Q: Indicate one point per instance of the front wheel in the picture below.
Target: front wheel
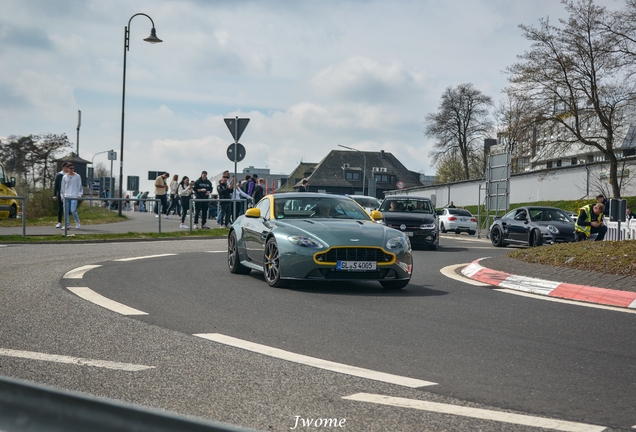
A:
(536, 239)
(442, 228)
(394, 285)
(496, 237)
(13, 212)
(272, 267)
(233, 259)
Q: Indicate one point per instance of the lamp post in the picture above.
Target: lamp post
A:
(152, 39)
(364, 170)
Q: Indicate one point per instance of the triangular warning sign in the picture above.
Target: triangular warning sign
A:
(236, 126)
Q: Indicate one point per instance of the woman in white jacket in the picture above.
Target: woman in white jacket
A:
(185, 193)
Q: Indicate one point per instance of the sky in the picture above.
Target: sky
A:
(310, 75)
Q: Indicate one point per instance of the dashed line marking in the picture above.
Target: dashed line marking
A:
(315, 362)
(143, 257)
(78, 273)
(74, 360)
(478, 413)
(98, 299)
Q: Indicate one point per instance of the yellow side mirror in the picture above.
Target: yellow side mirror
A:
(376, 215)
(253, 213)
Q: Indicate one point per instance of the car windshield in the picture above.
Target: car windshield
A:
(318, 207)
(459, 212)
(548, 215)
(407, 205)
(367, 202)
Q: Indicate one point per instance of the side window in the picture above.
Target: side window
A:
(3, 179)
(263, 206)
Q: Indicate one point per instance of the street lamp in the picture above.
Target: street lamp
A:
(152, 39)
(364, 170)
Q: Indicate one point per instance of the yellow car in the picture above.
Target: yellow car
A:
(8, 206)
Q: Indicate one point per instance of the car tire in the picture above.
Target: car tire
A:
(471, 232)
(233, 261)
(536, 239)
(271, 264)
(394, 285)
(13, 212)
(442, 228)
(496, 237)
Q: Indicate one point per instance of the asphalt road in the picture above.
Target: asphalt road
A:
(482, 348)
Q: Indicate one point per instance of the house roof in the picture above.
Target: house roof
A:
(330, 171)
(297, 176)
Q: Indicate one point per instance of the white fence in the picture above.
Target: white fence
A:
(626, 232)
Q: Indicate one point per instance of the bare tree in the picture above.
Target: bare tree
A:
(459, 125)
(515, 117)
(578, 83)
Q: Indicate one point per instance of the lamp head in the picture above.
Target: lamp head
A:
(153, 39)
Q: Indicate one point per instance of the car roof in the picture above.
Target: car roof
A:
(407, 197)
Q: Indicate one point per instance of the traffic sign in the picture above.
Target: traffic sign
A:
(236, 154)
(236, 126)
(400, 184)
(112, 155)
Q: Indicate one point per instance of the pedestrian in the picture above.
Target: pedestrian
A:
(202, 190)
(106, 194)
(161, 189)
(251, 185)
(71, 191)
(259, 191)
(185, 190)
(241, 198)
(140, 204)
(127, 206)
(629, 215)
(590, 221)
(174, 196)
(57, 189)
(219, 215)
(601, 199)
(225, 194)
(451, 205)
(304, 185)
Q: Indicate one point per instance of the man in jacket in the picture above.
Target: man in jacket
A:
(57, 189)
(225, 193)
(202, 190)
(590, 221)
(161, 189)
(71, 191)
(259, 191)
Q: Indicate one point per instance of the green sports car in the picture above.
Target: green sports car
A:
(313, 236)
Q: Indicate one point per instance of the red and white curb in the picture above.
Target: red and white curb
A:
(562, 290)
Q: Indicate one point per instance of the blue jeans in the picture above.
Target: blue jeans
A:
(71, 207)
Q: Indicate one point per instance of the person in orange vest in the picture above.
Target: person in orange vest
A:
(590, 221)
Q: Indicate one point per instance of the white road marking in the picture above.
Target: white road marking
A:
(449, 272)
(315, 362)
(74, 360)
(98, 299)
(478, 413)
(143, 257)
(221, 251)
(78, 273)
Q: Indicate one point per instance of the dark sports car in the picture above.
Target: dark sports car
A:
(313, 236)
(532, 226)
(413, 215)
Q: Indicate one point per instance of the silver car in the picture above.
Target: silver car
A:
(457, 220)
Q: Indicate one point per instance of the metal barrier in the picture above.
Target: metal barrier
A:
(22, 207)
(34, 407)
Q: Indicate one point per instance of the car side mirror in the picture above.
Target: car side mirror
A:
(376, 215)
(253, 213)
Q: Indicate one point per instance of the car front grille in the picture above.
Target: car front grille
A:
(354, 254)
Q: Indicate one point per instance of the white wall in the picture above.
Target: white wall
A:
(565, 183)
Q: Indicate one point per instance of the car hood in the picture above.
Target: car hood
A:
(411, 219)
(340, 231)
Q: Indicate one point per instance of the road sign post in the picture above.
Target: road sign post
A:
(236, 151)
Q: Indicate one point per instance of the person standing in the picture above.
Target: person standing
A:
(602, 200)
(219, 215)
(71, 191)
(185, 190)
(161, 189)
(259, 191)
(304, 185)
(590, 221)
(57, 190)
(241, 198)
(225, 194)
(174, 196)
(251, 185)
(202, 190)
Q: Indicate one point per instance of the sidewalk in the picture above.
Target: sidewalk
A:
(571, 284)
(137, 222)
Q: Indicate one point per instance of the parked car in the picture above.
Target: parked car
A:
(458, 220)
(532, 226)
(368, 202)
(321, 237)
(8, 206)
(413, 215)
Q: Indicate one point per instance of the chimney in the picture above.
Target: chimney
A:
(381, 154)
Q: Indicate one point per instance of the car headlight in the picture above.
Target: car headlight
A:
(427, 226)
(304, 242)
(397, 243)
(552, 229)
